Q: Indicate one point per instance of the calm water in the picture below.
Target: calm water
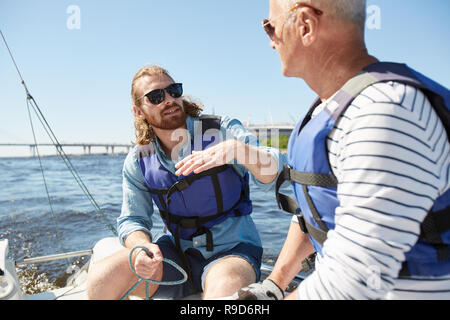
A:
(32, 230)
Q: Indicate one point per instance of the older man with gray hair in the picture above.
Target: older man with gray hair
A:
(369, 164)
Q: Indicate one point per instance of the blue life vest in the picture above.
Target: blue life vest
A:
(315, 186)
(190, 206)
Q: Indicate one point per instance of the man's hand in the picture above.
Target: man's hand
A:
(148, 267)
(258, 161)
(218, 155)
(267, 290)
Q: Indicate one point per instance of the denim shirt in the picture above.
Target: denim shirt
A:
(137, 205)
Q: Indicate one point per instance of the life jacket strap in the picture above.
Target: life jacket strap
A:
(308, 263)
(310, 179)
(290, 205)
(183, 184)
(186, 265)
(198, 222)
(435, 224)
(209, 237)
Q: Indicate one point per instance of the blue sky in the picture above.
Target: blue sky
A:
(81, 77)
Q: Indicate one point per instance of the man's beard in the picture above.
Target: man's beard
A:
(168, 122)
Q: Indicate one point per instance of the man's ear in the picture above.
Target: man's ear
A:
(307, 24)
(138, 112)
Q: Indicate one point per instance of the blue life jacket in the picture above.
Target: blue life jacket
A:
(190, 206)
(315, 186)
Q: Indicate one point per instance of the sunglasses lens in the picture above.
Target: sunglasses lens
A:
(268, 28)
(156, 96)
(175, 90)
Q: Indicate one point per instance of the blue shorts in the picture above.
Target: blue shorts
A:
(199, 267)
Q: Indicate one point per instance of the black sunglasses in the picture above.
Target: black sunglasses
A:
(270, 29)
(157, 96)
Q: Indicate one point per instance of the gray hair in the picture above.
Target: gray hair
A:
(347, 10)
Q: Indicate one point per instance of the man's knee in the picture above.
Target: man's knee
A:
(104, 248)
(108, 271)
(227, 276)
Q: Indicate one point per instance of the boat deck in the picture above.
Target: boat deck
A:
(76, 289)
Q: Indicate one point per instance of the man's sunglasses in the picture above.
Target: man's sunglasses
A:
(270, 29)
(157, 96)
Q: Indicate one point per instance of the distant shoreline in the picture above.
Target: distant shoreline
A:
(69, 155)
(284, 151)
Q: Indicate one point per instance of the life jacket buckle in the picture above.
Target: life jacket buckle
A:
(308, 263)
(301, 220)
(181, 185)
(287, 173)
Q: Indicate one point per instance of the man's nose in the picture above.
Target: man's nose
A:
(168, 99)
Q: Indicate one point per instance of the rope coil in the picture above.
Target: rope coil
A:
(147, 281)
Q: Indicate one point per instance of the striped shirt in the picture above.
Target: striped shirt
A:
(390, 153)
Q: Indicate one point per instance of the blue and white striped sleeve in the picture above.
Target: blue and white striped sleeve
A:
(390, 153)
(137, 204)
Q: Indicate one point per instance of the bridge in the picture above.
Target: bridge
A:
(261, 131)
(267, 131)
(87, 147)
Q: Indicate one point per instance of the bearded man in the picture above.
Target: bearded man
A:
(195, 169)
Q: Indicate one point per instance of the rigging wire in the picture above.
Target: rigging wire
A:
(58, 234)
(14, 61)
(68, 163)
(32, 102)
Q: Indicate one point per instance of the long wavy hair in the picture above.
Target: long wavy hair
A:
(143, 131)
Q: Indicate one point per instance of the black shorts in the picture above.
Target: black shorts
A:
(199, 267)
